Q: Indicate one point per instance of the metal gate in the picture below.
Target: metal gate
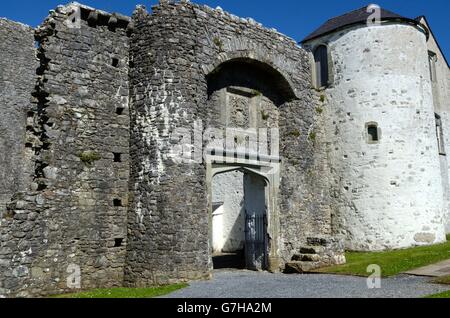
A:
(256, 242)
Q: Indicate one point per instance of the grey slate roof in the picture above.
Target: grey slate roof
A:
(354, 17)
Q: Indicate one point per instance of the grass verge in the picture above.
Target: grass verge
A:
(392, 262)
(441, 295)
(126, 292)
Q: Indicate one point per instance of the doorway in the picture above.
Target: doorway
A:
(239, 220)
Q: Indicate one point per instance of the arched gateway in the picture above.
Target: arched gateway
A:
(244, 101)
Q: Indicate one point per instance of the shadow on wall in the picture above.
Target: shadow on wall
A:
(243, 72)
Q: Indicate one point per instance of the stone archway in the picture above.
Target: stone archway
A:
(244, 97)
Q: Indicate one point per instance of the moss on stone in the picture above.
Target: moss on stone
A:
(218, 42)
(295, 133)
(89, 157)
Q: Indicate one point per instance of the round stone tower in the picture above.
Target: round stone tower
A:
(373, 81)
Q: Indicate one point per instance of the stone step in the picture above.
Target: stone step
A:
(307, 257)
(312, 250)
(302, 267)
(318, 241)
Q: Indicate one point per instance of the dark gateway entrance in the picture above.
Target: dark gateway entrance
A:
(239, 221)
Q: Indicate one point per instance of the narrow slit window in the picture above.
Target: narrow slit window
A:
(440, 135)
(432, 59)
(115, 62)
(321, 66)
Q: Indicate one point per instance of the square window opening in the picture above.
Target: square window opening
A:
(118, 242)
(117, 157)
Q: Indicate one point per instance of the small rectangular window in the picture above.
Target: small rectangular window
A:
(372, 131)
(117, 157)
(118, 242)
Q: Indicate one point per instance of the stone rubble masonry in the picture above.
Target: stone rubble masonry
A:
(17, 68)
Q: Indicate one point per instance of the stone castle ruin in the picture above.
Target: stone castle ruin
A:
(149, 150)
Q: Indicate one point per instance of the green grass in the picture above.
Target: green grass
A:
(126, 292)
(441, 295)
(392, 262)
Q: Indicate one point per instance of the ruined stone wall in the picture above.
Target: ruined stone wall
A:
(173, 50)
(388, 193)
(73, 216)
(18, 65)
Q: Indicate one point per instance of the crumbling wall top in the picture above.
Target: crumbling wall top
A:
(218, 12)
(16, 25)
(74, 5)
(76, 12)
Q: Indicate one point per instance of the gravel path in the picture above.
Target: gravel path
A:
(247, 284)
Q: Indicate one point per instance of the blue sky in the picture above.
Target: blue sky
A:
(295, 18)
